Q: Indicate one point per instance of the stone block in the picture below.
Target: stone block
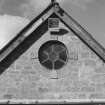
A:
(12, 93)
(100, 70)
(86, 73)
(75, 47)
(67, 96)
(28, 91)
(73, 76)
(82, 86)
(34, 78)
(6, 80)
(76, 86)
(12, 66)
(30, 76)
(54, 37)
(81, 83)
(84, 55)
(49, 96)
(33, 54)
(23, 58)
(98, 78)
(73, 55)
(43, 90)
(99, 63)
(90, 63)
(73, 63)
(82, 96)
(2, 91)
(23, 63)
(84, 47)
(19, 67)
(72, 95)
(97, 96)
(41, 70)
(88, 89)
(75, 39)
(28, 72)
(74, 70)
(28, 67)
(73, 89)
(8, 96)
(100, 87)
(79, 63)
(16, 76)
(63, 85)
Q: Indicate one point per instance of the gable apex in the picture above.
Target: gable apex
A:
(81, 33)
(52, 10)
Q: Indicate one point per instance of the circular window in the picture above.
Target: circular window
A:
(53, 55)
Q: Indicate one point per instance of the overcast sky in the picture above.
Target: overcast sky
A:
(89, 13)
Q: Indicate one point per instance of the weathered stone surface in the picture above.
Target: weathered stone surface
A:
(86, 73)
(33, 55)
(90, 63)
(81, 87)
(19, 67)
(73, 89)
(73, 55)
(6, 81)
(87, 89)
(26, 92)
(100, 69)
(13, 66)
(73, 63)
(11, 93)
(64, 39)
(93, 55)
(97, 95)
(67, 96)
(84, 47)
(70, 74)
(82, 76)
(23, 63)
(82, 96)
(84, 55)
(100, 63)
(54, 37)
(73, 47)
(80, 63)
(28, 67)
(15, 76)
(75, 39)
(100, 87)
(99, 78)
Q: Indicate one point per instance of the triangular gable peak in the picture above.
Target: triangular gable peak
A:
(28, 33)
(80, 32)
(33, 25)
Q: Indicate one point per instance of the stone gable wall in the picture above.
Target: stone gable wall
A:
(82, 78)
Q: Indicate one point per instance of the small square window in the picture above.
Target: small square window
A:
(53, 22)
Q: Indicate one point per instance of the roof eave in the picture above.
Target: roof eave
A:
(21, 36)
(80, 32)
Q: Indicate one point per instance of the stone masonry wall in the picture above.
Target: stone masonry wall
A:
(82, 78)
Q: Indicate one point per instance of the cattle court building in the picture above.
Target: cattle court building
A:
(53, 59)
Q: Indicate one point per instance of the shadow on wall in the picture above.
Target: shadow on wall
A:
(25, 45)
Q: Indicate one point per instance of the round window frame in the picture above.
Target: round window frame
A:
(47, 44)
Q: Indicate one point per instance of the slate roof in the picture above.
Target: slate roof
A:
(20, 43)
